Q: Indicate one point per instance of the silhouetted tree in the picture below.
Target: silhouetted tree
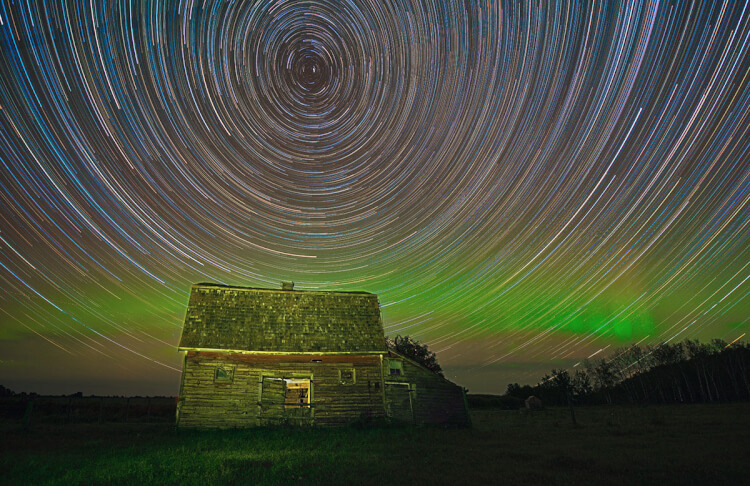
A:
(741, 353)
(604, 375)
(665, 373)
(411, 348)
(581, 384)
(518, 391)
(562, 381)
(698, 354)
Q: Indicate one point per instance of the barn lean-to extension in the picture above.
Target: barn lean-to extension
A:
(258, 357)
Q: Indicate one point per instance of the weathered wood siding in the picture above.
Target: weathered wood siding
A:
(398, 403)
(434, 400)
(271, 401)
(205, 402)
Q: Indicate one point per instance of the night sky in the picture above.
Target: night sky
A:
(523, 186)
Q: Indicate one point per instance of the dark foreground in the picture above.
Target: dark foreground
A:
(683, 444)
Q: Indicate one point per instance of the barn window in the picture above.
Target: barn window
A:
(396, 367)
(347, 377)
(224, 374)
(297, 393)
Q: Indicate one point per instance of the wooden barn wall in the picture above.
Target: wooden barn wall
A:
(207, 403)
(434, 400)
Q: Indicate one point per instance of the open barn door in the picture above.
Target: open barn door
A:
(398, 402)
(297, 407)
(285, 401)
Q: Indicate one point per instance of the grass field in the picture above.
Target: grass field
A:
(684, 444)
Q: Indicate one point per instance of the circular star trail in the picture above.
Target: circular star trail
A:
(520, 184)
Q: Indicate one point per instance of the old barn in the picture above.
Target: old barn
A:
(264, 357)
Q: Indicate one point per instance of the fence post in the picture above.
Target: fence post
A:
(570, 404)
(127, 410)
(70, 407)
(101, 408)
(27, 414)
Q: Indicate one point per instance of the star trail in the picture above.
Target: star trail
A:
(522, 184)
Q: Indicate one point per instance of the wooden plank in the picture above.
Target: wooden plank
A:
(287, 358)
(239, 402)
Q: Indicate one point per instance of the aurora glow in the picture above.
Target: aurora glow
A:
(521, 185)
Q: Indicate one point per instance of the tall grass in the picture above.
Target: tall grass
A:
(688, 444)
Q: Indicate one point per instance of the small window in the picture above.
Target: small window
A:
(224, 374)
(346, 377)
(396, 367)
(297, 393)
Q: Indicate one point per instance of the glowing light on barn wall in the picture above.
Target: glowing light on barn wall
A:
(297, 392)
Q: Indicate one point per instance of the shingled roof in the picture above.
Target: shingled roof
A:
(250, 319)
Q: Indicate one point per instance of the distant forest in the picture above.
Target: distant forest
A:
(684, 372)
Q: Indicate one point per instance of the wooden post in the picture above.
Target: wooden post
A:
(382, 386)
(70, 407)
(101, 408)
(466, 406)
(127, 409)
(182, 386)
(27, 414)
(570, 404)
(412, 389)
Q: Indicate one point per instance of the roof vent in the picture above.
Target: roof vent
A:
(287, 285)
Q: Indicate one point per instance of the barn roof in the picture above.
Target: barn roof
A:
(287, 321)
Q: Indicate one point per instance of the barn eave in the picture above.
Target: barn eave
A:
(286, 353)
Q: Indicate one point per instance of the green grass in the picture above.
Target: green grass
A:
(687, 444)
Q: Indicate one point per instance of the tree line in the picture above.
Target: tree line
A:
(683, 372)
(411, 348)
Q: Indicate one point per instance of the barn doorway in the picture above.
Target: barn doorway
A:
(398, 402)
(285, 401)
(297, 393)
